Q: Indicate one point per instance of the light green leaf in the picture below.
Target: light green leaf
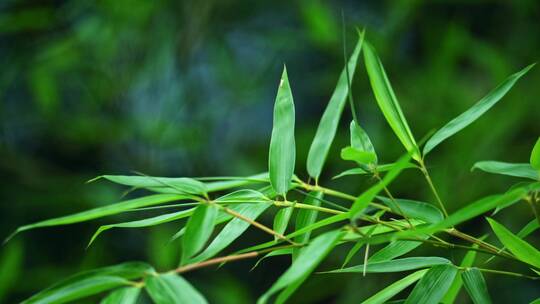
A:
(521, 249)
(234, 182)
(394, 250)
(282, 153)
(282, 218)
(453, 291)
(473, 113)
(476, 286)
(387, 101)
(535, 155)
(126, 295)
(360, 140)
(433, 285)
(102, 211)
(198, 230)
(156, 220)
(497, 167)
(360, 157)
(232, 230)
(365, 198)
(326, 130)
(306, 262)
(414, 209)
(396, 265)
(243, 196)
(387, 293)
(306, 217)
(172, 289)
(537, 301)
(183, 185)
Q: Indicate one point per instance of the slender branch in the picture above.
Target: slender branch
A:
(215, 261)
(514, 274)
(378, 177)
(432, 186)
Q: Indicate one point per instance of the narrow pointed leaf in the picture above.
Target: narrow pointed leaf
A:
(282, 218)
(361, 171)
(282, 153)
(126, 295)
(278, 252)
(396, 265)
(360, 140)
(518, 247)
(497, 167)
(453, 291)
(387, 293)
(535, 155)
(433, 285)
(476, 286)
(358, 156)
(306, 262)
(326, 130)
(306, 217)
(198, 230)
(387, 101)
(172, 289)
(414, 209)
(473, 113)
(182, 185)
(394, 250)
(221, 185)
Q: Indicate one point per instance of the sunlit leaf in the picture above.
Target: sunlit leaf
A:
(433, 285)
(535, 155)
(198, 230)
(497, 167)
(172, 289)
(414, 209)
(396, 265)
(358, 156)
(473, 113)
(387, 101)
(387, 293)
(126, 295)
(520, 248)
(306, 262)
(476, 286)
(326, 131)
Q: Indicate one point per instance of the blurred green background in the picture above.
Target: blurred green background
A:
(186, 88)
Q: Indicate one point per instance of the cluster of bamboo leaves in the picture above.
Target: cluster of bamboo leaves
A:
(219, 210)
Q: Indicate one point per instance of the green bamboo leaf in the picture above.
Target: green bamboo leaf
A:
(306, 217)
(387, 293)
(126, 295)
(453, 291)
(306, 262)
(365, 198)
(326, 130)
(172, 289)
(235, 182)
(183, 185)
(520, 248)
(476, 286)
(148, 222)
(243, 196)
(360, 140)
(535, 155)
(396, 265)
(282, 153)
(473, 113)
(394, 250)
(282, 218)
(414, 209)
(537, 301)
(232, 230)
(198, 230)
(358, 156)
(497, 167)
(361, 171)
(102, 211)
(433, 285)
(387, 101)
(277, 252)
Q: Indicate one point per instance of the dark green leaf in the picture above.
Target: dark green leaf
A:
(172, 289)
(476, 286)
(326, 131)
(387, 101)
(454, 289)
(473, 113)
(387, 293)
(282, 153)
(535, 155)
(198, 230)
(396, 265)
(414, 209)
(126, 295)
(518, 170)
(433, 285)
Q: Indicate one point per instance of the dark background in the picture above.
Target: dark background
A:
(186, 88)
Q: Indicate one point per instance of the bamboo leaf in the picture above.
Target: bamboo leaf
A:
(183, 185)
(433, 285)
(277, 252)
(414, 209)
(520, 248)
(102, 211)
(362, 171)
(394, 250)
(466, 118)
(387, 101)
(306, 262)
(172, 289)
(360, 140)
(281, 220)
(387, 293)
(306, 217)
(535, 155)
(497, 167)
(476, 286)
(282, 153)
(453, 291)
(360, 157)
(326, 130)
(198, 230)
(396, 265)
(126, 295)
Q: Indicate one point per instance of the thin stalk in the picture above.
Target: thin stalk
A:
(215, 261)
(378, 177)
(432, 186)
(514, 274)
(306, 206)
